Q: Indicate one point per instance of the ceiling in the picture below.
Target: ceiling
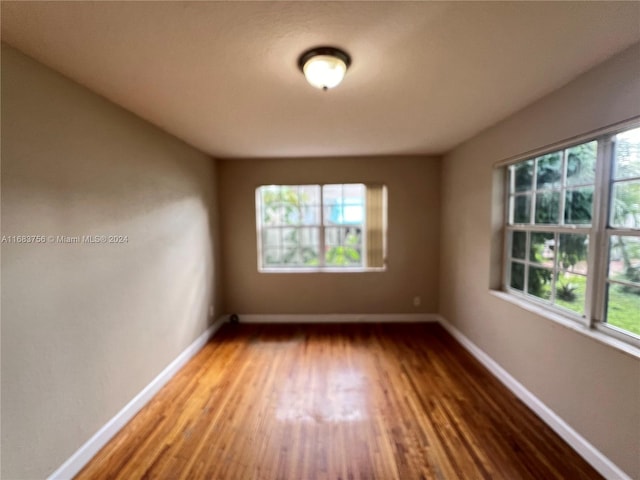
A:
(223, 75)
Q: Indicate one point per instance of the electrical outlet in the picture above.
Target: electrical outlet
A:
(211, 310)
(416, 301)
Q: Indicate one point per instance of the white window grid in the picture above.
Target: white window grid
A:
(599, 232)
(321, 226)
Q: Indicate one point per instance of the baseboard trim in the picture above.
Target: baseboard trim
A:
(586, 450)
(91, 447)
(340, 318)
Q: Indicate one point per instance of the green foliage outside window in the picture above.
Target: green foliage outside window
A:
(295, 207)
(552, 263)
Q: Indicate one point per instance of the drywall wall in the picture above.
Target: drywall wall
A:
(413, 192)
(593, 387)
(86, 326)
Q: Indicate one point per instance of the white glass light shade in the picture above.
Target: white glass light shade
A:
(324, 71)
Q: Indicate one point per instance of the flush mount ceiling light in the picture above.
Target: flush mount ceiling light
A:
(324, 67)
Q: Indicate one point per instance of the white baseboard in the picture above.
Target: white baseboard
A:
(340, 318)
(86, 452)
(591, 454)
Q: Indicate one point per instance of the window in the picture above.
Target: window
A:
(573, 231)
(321, 227)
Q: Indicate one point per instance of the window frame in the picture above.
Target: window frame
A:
(599, 232)
(321, 227)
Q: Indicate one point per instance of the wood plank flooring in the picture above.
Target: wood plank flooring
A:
(355, 401)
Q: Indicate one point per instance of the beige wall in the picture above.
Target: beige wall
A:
(413, 186)
(593, 387)
(86, 327)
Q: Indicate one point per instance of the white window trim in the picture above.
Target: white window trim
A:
(321, 269)
(321, 226)
(591, 323)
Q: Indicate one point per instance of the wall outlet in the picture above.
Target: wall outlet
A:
(211, 310)
(416, 301)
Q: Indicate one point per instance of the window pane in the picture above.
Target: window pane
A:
(271, 237)
(548, 207)
(290, 236)
(270, 194)
(331, 193)
(289, 204)
(570, 291)
(356, 259)
(310, 216)
(344, 204)
(332, 214)
(309, 194)
(573, 252)
(310, 255)
(624, 259)
(623, 308)
(578, 206)
(292, 214)
(627, 155)
(351, 236)
(542, 249)
(310, 236)
(522, 209)
(353, 193)
(517, 276)
(334, 236)
(548, 171)
(625, 205)
(539, 282)
(332, 204)
(341, 256)
(289, 196)
(271, 257)
(271, 214)
(353, 212)
(291, 256)
(523, 175)
(518, 244)
(581, 164)
(343, 246)
(343, 213)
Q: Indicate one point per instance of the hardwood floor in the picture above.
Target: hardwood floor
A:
(356, 401)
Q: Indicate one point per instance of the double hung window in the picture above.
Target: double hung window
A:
(573, 231)
(321, 227)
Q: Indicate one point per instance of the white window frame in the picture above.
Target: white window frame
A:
(599, 233)
(322, 267)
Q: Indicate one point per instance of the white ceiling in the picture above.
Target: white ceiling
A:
(223, 75)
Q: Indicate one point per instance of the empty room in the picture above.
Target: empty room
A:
(320, 240)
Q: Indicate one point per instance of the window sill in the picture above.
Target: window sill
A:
(593, 333)
(322, 270)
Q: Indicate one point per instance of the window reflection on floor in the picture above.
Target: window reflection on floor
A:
(338, 397)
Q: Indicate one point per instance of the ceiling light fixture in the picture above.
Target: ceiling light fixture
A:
(324, 67)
